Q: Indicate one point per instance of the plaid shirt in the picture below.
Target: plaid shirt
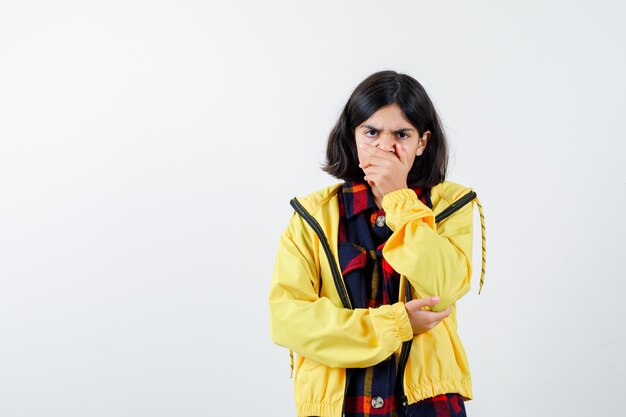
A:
(371, 282)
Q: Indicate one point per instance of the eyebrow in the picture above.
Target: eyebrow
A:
(406, 129)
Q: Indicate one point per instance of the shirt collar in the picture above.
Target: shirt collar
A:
(357, 197)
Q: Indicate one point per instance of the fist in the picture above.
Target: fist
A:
(424, 320)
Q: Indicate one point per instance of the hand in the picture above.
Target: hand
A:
(424, 320)
(386, 171)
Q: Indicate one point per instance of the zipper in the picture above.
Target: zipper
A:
(455, 206)
(404, 354)
(337, 277)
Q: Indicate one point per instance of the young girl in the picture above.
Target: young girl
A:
(368, 270)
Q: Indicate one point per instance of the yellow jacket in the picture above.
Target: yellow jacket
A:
(310, 312)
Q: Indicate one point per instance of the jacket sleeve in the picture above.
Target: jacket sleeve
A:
(314, 326)
(435, 257)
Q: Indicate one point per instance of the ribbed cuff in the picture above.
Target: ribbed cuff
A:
(405, 331)
(399, 196)
(403, 205)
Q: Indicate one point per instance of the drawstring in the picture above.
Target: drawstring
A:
(291, 363)
(484, 241)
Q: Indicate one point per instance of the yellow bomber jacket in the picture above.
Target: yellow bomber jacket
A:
(310, 312)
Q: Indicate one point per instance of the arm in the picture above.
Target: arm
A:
(316, 328)
(435, 258)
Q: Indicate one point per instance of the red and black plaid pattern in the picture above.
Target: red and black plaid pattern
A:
(371, 282)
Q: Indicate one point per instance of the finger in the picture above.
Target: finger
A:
(402, 156)
(376, 152)
(422, 302)
(370, 179)
(440, 315)
(370, 159)
(372, 174)
(374, 163)
(372, 169)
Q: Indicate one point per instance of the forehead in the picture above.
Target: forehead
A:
(388, 117)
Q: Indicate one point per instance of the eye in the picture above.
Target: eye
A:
(367, 132)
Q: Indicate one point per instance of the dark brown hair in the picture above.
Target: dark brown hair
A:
(378, 90)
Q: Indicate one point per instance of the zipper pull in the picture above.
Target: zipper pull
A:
(404, 400)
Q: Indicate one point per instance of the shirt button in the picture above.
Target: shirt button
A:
(380, 221)
(377, 402)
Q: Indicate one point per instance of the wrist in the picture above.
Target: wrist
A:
(399, 187)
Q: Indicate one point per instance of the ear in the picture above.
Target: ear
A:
(422, 142)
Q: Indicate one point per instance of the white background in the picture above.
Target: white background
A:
(149, 151)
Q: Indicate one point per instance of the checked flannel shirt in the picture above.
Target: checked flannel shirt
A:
(371, 282)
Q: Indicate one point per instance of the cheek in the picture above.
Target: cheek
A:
(410, 149)
(362, 138)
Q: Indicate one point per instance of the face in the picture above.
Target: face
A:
(386, 129)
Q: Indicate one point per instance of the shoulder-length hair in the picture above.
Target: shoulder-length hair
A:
(378, 90)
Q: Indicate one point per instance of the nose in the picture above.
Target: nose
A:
(386, 144)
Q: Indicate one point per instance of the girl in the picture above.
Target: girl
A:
(368, 270)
